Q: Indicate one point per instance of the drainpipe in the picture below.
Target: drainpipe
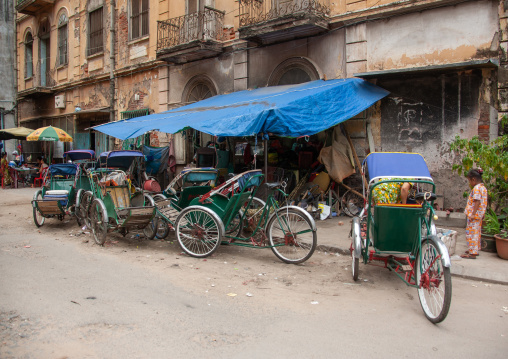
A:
(111, 70)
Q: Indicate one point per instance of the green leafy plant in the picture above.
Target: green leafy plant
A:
(491, 225)
(492, 158)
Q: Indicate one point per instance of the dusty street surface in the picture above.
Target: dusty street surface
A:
(62, 296)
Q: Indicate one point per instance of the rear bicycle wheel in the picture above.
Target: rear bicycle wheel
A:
(84, 208)
(162, 227)
(199, 231)
(151, 228)
(39, 219)
(292, 236)
(351, 203)
(356, 243)
(434, 281)
(99, 221)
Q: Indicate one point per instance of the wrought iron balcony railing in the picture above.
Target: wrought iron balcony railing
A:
(257, 11)
(204, 25)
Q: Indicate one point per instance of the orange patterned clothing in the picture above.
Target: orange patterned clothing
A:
(479, 192)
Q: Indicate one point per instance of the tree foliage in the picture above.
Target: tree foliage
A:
(492, 158)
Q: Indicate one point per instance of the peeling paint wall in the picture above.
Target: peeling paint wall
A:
(445, 35)
(424, 113)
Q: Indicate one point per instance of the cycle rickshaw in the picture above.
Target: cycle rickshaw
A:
(115, 204)
(402, 237)
(85, 159)
(57, 197)
(202, 226)
(187, 185)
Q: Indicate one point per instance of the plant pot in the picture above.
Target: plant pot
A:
(502, 246)
(488, 243)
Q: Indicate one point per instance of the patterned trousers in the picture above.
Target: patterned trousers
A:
(473, 235)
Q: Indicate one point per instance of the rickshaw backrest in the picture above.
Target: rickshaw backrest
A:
(234, 205)
(396, 227)
(247, 180)
(120, 196)
(189, 193)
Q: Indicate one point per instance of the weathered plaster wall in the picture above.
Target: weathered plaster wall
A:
(424, 114)
(326, 52)
(445, 35)
(219, 70)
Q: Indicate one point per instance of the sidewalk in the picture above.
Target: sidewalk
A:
(488, 267)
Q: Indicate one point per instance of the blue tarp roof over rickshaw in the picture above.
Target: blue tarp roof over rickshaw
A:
(396, 165)
(288, 111)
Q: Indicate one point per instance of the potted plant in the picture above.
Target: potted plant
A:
(502, 241)
(490, 228)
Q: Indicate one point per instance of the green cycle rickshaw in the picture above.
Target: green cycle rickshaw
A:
(403, 236)
(116, 205)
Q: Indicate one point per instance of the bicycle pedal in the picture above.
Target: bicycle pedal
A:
(406, 268)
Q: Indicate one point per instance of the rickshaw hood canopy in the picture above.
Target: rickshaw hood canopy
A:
(396, 165)
(63, 169)
(77, 155)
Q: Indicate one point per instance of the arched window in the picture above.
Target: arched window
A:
(62, 39)
(29, 55)
(294, 71)
(198, 88)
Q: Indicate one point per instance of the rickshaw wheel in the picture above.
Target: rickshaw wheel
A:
(434, 281)
(99, 221)
(151, 228)
(291, 236)
(199, 231)
(39, 219)
(162, 227)
(356, 241)
(84, 208)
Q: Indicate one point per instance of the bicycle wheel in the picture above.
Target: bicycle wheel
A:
(162, 226)
(434, 281)
(355, 247)
(99, 221)
(351, 203)
(84, 207)
(292, 235)
(151, 228)
(199, 231)
(253, 212)
(39, 219)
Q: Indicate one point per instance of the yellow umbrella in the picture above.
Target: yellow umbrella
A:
(49, 133)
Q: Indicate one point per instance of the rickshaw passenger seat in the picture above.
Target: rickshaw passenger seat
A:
(120, 196)
(189, 193)
(396, 227)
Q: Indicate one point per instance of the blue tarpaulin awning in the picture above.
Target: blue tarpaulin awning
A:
(288, 111)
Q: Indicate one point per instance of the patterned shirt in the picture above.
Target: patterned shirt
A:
(388, 193)
(479, 192)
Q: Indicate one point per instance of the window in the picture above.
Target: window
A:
(62, 40)
(139, 18)
(95, 37)
(29, 49)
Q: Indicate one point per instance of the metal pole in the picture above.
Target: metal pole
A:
(265, 155)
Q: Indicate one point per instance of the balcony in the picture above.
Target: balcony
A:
(190, 37)
(32, 7)
(40, 84)
(267, 22)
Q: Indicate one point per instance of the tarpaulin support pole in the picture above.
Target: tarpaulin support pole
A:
(265, 155)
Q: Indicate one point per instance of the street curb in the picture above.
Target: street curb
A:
(333, 249)
(478, 279)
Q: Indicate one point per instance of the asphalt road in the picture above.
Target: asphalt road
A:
(62, 296)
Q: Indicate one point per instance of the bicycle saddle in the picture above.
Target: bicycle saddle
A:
(427, 196)
(272, 185)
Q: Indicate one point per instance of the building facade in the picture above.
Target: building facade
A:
(85, 63)
(7, 70)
